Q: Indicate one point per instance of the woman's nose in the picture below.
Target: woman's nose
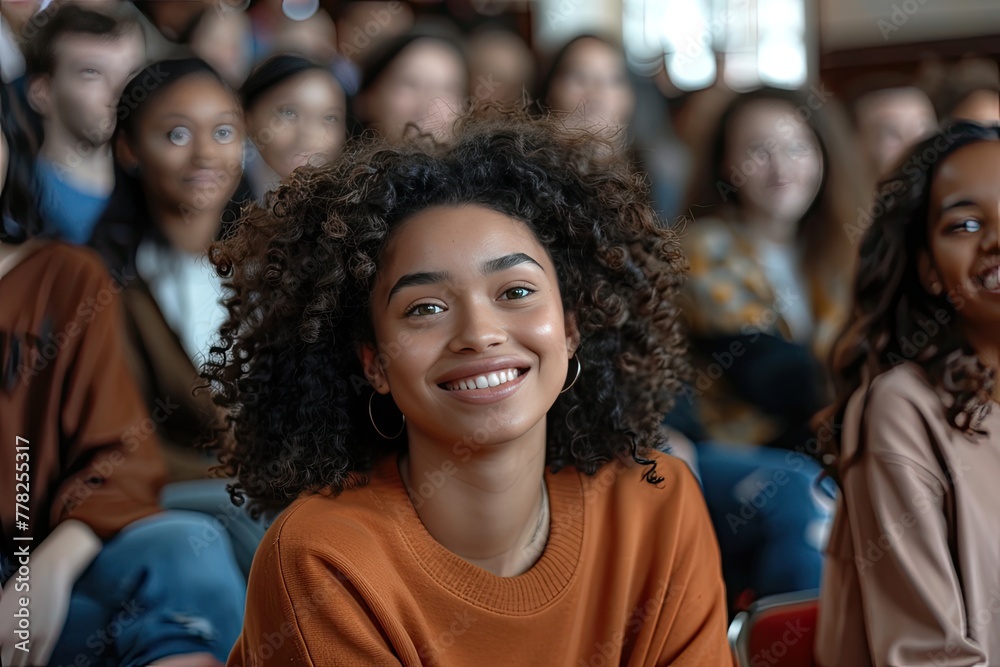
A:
(478, 328)
(991, 235)
(205, 149)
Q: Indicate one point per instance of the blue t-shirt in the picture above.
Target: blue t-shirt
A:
(70, 212)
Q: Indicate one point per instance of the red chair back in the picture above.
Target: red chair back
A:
(778, 631)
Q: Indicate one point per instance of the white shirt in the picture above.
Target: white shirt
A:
(188, 291)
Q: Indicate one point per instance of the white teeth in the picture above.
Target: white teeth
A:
(494, 379)
(991, 280)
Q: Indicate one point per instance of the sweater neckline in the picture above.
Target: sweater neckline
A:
(525, 593)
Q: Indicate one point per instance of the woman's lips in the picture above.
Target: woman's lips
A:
(484, 381)
(488, 394)
(206, 177)
(990, 279)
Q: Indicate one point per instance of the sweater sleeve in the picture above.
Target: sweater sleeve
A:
(911, 593)
(112, 470)
(692, 623)
(302, 610)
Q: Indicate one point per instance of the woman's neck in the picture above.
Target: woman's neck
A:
(490, 510)
(189, 231)
(987, 349)
(778, 232)
(83, 165)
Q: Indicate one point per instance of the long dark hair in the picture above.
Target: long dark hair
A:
(19, 201)
(893, 318)
(273, 72)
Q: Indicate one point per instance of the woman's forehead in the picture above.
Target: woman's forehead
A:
(456, 238)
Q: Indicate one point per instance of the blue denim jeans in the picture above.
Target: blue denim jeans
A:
(770, 516)
(165, 585)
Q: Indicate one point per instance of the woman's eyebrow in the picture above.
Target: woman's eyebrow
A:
(962, 203)
(421, 278)
(506, 262)
(433, 277)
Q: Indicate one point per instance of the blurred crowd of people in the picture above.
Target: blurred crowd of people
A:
(134, 133)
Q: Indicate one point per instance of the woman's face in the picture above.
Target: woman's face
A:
(592, 83)
(964, 235)
(424, 85)
(189, 147)
(779, 162)
(301, 121)
(467, 297)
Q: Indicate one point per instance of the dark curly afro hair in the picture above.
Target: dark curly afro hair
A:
(301, 270)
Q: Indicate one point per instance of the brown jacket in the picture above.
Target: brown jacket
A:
(913, 574)
(167, 380)
(67, 393)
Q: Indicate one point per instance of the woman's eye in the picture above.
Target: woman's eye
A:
(517, 293)
(179, 136)
(970, 225)
(422, 309)
(330, 119)
(90, 72)
(287, 112)
(800, 149)
(225, 134)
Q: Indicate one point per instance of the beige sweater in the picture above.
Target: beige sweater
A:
(913, 574)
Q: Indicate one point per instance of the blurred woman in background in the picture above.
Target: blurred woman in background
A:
(589, 82)
(770, 270)
(181, 143)
(415, 83)
(296, 114)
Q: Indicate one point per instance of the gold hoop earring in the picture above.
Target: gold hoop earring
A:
(579, 367)
(377, 429)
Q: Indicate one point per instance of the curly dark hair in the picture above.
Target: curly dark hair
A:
(891, 310)
(301, 269)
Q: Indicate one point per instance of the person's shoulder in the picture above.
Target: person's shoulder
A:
(59, 256)
(906, 379)
(905, 386)
(657, 492)
(67, 271)
(330, 527)
(903, 413)
(708, 235)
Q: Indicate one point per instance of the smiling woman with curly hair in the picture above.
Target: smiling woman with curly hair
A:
(448, 364)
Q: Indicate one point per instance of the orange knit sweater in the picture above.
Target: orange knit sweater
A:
(630, 576)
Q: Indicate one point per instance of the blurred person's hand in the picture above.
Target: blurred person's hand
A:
(52, 570)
